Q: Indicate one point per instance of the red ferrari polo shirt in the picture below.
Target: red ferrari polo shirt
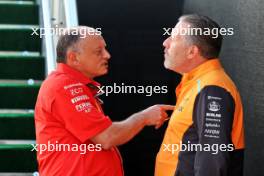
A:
(67, 115)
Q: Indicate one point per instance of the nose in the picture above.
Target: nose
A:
(166, 42)
(106, 54)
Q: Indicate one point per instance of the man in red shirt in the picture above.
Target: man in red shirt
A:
(73, 135)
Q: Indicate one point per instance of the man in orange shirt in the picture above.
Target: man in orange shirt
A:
(73, 135)
(205, 135)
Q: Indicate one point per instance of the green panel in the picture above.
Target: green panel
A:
(21, 66)
(14, 12)
(19, 38)
(17, 158)
(17, 125)
(18, 95)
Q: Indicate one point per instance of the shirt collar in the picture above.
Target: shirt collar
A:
(75, 74)
(207, 66)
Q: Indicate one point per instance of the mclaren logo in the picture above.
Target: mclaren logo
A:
(214, 106)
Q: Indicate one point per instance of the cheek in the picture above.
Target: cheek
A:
(98, 64)
(90, 62)
(172, 52)
(87, 65)
(179, 51)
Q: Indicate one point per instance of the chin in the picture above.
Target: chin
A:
(171, 67)
(103, 73)
(167, 65)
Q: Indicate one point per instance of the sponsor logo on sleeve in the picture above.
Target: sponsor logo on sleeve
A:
(214, 106)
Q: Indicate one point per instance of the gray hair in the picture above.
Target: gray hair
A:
(68, 38)
(208, 45)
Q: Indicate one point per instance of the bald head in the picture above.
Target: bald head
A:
(70, 38)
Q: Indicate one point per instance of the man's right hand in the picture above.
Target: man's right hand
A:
(156, 115)
(121, 132)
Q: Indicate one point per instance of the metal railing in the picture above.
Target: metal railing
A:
(55, 14)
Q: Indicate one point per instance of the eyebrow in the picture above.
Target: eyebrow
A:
(98, 48)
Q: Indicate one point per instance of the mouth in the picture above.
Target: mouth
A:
(165, 53)
(105, 64)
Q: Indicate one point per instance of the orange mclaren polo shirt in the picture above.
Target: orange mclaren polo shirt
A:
(67, 115)
(205, 135)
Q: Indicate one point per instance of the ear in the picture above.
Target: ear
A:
(193, 52)
(72, 58)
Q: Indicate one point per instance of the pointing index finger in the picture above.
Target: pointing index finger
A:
(167, 107)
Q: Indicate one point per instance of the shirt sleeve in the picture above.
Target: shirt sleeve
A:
(79, 113)
(213, 117)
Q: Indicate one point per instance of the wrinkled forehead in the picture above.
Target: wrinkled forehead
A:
(182, 24)
(179, 29)
(92, 42)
